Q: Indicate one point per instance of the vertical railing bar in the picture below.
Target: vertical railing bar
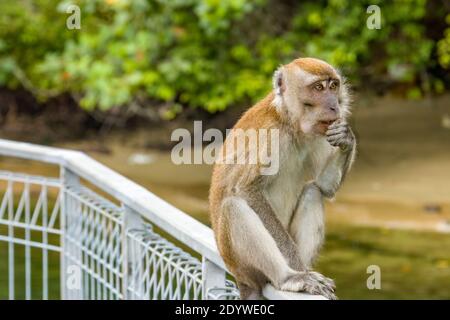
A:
(104, 254)
(95, 249)
(169, 274)
(83, 245)
(130, 268)
(44, 251)
(155, 277)
(121, 276)
(62, 242)
(93, 261)
(11, 275)
(66, 246)
(148, 264)
(70, 216)
(134, 270)
(73, 224)
(140, 264)
(78, 216)
(27, 245)
(160, 289)
(131, 220)
(213, 276)
(176, 294)
(88, 247)
(105, 250)
(119, 262)
(113, 259)
(187, 285)
(96, 260)
(143, 277)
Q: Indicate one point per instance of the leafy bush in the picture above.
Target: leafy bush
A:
(205, 53)
(444, 46)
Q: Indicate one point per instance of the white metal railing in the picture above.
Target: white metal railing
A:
(107, 249)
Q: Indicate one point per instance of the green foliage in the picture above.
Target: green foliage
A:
(203, 53)
(444, 46)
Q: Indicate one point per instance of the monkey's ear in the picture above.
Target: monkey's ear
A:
(278, 81)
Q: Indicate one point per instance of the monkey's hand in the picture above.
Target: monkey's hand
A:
(339, 134)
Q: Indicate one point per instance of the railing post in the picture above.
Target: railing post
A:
(131, 254)
(213, 276)
(68, 221)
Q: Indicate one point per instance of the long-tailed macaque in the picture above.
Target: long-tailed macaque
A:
(269, 227)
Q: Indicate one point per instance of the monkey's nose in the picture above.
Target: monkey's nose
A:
(333, 108)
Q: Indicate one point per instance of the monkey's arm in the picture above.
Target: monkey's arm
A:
(258, 202)
(330, 179)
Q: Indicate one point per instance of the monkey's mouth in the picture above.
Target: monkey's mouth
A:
(326, 122)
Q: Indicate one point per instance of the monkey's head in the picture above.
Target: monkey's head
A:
(311, 93)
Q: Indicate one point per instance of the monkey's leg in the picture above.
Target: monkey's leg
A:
(307, 224)
(307, 227)
(255, 251)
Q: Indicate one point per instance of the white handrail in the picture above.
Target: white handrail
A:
(172, 220)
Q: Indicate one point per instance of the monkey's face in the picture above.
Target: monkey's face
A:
(312, 92)
(320, 104)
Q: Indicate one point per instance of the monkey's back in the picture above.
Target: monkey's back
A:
(225, 177)
(262, 115)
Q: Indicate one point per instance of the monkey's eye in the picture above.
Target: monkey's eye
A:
(318, 86)
(333, 85)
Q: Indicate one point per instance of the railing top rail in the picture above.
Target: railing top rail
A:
(172, 220)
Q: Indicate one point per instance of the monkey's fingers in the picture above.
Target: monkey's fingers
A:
(338, 135)
(331, 296)
(337, 123)
(324, 291)
(316, 288)
(334, 124)
(337, 130)
(323, 280)
(337, 139)
(330, 284)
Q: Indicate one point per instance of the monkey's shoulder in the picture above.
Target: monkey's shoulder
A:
(263, 115)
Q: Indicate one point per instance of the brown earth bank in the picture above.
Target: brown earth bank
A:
(61, 119)
(401, 178)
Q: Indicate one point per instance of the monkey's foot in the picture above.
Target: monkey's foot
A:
(322, 279)
(310, 282)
